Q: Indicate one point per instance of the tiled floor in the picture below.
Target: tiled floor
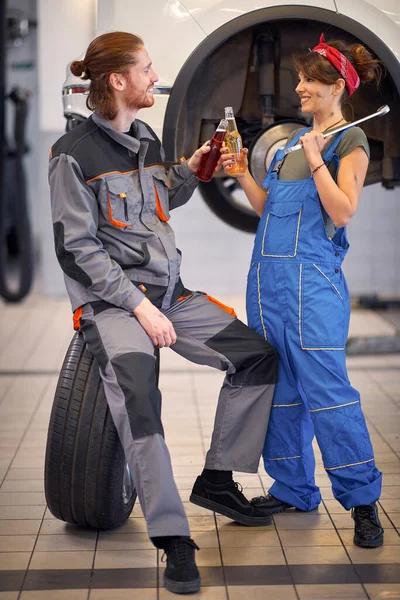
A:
(302, 556)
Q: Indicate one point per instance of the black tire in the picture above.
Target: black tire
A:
(217, 194)
(86, 477)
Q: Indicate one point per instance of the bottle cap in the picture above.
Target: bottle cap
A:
(229, 112)
(223, 125)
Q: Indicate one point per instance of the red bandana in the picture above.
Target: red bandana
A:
(340, 62)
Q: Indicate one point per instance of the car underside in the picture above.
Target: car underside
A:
(252, 70)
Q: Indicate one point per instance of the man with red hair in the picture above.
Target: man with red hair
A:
(111, 199)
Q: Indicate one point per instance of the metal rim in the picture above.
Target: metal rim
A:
(128, 489)
(267, 143)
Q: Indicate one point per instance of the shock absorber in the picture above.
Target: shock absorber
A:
(266, 43)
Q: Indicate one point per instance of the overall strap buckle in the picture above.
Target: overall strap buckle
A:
(277, 166)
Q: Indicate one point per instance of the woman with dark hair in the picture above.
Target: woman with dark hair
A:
(297, 297)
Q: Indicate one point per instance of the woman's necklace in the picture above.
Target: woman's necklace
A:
(330, 126)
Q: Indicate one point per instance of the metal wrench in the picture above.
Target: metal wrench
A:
(383, 110)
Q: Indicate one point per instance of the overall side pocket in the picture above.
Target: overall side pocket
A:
(322, 309)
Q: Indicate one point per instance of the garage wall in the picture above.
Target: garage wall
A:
(373, 263)
(216, 256)
(65, 30)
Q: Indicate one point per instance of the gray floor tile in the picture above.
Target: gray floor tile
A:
(19, 527)
(61, 560)
(331, 592)
(14, 561)
(262, 592)
(128, 594)
(55, 595)
(22, 512)
(379, 591)
(255, 566)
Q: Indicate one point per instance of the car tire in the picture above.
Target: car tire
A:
(87, 481)
(218, 195)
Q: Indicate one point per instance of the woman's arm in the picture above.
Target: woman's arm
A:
(255, 195)
(339, 199)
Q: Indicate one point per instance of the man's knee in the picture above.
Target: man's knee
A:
(136, 375)
(255, 360)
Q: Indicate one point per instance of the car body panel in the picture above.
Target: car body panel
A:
(384, 23)
(169, 31)
(185, 25)
(391, 8)
(202, 51)
(211, 14)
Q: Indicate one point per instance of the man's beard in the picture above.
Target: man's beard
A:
(136, 101)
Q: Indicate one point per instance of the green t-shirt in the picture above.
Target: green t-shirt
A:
(295, 165)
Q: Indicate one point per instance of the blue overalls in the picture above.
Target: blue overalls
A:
(297, 299)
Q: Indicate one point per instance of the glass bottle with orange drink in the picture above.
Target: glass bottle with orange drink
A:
(233, 142)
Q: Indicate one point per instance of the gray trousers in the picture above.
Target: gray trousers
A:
(208, 335)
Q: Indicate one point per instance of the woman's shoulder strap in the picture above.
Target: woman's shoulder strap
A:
(292, 141)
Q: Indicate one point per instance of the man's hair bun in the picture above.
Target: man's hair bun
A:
(77, 68)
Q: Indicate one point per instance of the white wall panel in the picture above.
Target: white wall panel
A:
(65, 30)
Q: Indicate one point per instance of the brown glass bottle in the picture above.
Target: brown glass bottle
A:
(209, 161)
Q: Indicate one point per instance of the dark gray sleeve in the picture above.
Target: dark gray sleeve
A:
(181, 182)
(353, 138)
(79, 251)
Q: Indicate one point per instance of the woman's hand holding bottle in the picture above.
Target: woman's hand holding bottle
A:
(227, 161)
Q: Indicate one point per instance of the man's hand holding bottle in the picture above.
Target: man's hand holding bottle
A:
(196, 158)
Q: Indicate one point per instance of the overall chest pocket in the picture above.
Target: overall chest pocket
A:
(281, 229)
(123, 206)
(161, 186)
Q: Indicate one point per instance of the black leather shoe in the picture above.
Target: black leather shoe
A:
(368, 531)
(181, 575)
(227, 499)
(269, 504)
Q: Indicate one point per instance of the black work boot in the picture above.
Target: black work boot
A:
(227, 499)
(181, 575)
(368, 531)
(269, 504)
